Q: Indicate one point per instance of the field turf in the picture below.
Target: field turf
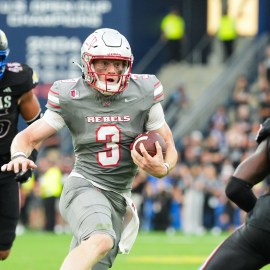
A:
(152, 251)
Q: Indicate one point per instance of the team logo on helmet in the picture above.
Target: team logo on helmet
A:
(107, 44)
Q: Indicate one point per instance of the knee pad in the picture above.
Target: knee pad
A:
(239, 191)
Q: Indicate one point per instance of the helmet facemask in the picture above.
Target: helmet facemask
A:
(108, 45)
(4, 52)
(111, 83)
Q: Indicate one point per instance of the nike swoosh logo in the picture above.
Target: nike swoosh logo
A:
(129, 99)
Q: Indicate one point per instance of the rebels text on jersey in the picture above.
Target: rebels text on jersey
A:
(103, 128)
(17, 80)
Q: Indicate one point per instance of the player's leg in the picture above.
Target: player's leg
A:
(89, 214)
(88, 253)
(106, 262)
(118, 210)
(9, 215)
(240, 251)
(99, 266)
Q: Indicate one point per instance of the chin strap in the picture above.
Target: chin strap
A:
(78, 65)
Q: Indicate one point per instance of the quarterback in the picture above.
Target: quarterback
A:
(104, 109)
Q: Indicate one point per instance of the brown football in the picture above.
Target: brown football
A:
(148, 139)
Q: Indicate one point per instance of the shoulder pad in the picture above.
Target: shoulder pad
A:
(151, 85)
(21, 77)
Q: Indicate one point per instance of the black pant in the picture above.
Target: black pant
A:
(228, 47)
(50, 218)
(248, 248)
(9, 212)
(174, 50)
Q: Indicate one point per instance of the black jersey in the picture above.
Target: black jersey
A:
(17, 80)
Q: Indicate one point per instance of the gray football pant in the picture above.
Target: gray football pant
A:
(89, 210)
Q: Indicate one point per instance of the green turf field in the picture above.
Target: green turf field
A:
(152, 251)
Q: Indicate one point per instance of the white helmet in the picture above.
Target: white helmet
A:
(109, 44)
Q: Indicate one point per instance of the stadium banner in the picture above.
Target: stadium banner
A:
(48, 34)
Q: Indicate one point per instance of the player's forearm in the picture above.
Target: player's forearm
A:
(22, 143)
(32, 137)
(171, 153)
(171, 156)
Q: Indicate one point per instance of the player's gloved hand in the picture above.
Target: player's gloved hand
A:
(264, 131)
(22, 177)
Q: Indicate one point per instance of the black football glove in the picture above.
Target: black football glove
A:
(22, 177)
(264, 131)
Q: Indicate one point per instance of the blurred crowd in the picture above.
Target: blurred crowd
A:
(191, 199)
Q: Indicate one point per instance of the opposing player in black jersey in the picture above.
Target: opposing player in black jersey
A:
(16, 97)
(248, 248)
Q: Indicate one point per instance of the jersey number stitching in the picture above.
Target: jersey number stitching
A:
(111, 136)
(4, 127)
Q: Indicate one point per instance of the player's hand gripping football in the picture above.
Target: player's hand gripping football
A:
(152, 165)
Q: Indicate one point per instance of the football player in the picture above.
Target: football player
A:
(248, 248)
(16, 97)
(104, 109)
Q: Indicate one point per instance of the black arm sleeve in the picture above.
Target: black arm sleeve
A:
(239, 191)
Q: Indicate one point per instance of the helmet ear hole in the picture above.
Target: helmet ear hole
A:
(106, 44)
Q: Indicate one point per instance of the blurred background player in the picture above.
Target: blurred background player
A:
(16, 97)
(173, 32)
(227, 34)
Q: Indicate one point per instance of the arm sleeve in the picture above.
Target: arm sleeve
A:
(54, 119)
(156, 117)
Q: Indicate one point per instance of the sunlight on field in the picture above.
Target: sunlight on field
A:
(167, 259)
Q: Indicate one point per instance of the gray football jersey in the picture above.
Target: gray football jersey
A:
(103, 128)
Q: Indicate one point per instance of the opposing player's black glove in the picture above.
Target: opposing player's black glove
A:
(264, 131)
(22, 177)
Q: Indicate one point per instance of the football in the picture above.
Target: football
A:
(148, 139)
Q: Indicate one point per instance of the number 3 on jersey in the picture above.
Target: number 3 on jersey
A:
(110, 136)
